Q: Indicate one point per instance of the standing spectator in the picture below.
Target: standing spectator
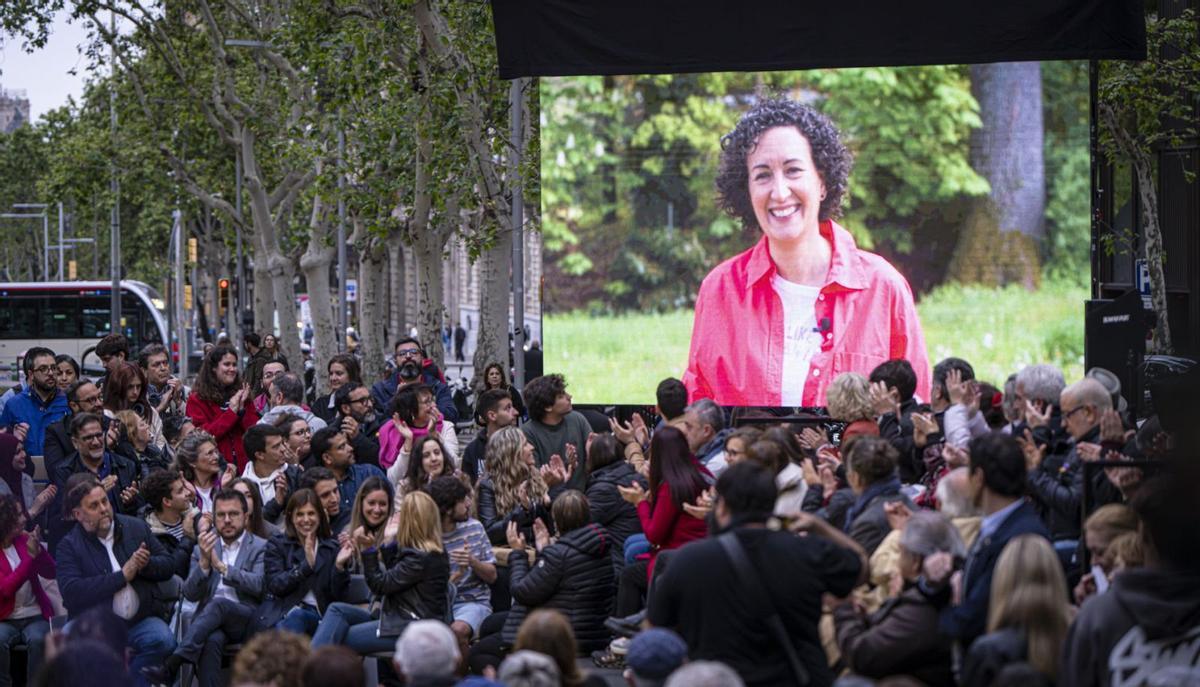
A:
(1028, 613)
(893, 385)
(82, 397)
(275, 477)
(494, 411)
(998, 480)
(199, 462)
(703, 423)
(113, 560)
(901, 638)
(413, 366)
(675, 479)
(460, 342)
(533, 360)
(472, 562)
(166, 394)
(262, 394)
(226, 580)
(39, 405)
(276, 658)
(67, 372)
(653, 655)
(413, 417)
(426, 654)
(334, 452)
(252, 344)
(287, 397)
(341, 368)
(126, 390)
(720, 613)
(113, 350)
(25, 609)
(871, 471)
(1148, 620)
(220, 404)
(356, 419)
(554, 428)
(409, 576)
(300, 572)
(513, 490)
(494, 378)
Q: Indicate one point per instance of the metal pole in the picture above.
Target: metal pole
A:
(115, 188)
(343, 315)
(182, 329)
(235, 318)
(46, 244)
(518, 241)
(60, 242)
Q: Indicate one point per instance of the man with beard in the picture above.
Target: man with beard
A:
(334, 452)
(494, 410)
(472, 561)
(358, 421)
(83, 396)
(118, 475)
(114, 560)
(412, 366)
(39, 405)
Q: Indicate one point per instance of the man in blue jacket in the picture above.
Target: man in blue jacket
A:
(39, 405)
(412, 366)
(998, 479)
(114, 560)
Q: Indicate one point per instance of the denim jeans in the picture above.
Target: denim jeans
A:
(151, 642)
(352, 627)
(32, 632)
(302, 620)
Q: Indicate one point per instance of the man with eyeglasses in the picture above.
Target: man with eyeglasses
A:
(412, 366)
(357, 420)
(83, 396)
(286, 392)
(39, 405)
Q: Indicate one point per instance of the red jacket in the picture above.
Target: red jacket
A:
(27, 571)
(224, 425)
(667, 527)
(865, 310)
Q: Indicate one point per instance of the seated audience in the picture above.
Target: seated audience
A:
(408, 576)
(199, 461)
(871, 471)
(14, 481)
(286, 395)
(112, 560)
(341, 368)
(373, 511)
(1100, 530)
(25, 608)
(529, 669)
(39, 405)
(221, 405)
(893, 389)
(297, 438)
(426, 653)
(325, 485)
(720, 613)
(301, 576)
(82, 397)
(1028, 613)
(334, 452)
(431, 462)
(703, 423)
(255, 523)
(268, 468)
(125, 389)
(226, 581)
(548, 632)
(118, 475)
(738, 442)
(333, 666)
(357, 419)
(704, 674)
(554, 427)
(494, 410)
(472, 561)
(513, 490)
(172, 517)
(607, 473)
(274, 658)
(901, 638)
(137, 430)
(653, 655)
(413, 417)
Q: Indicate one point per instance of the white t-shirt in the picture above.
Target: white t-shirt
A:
(204, 496)
(266, 485)
(24, 605)
(801, 340)
(125, 601)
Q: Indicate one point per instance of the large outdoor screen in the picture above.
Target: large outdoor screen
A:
(757, 234)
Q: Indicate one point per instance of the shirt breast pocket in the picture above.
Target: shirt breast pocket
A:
(855, 362)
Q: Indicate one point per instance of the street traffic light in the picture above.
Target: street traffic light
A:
(222, 295)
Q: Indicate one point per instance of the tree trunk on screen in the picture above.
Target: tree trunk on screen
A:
(315, 264)
(372, 306)
(397, 298)
(1000, 239)
(494, 297)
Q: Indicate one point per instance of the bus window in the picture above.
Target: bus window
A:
(59, 319)
(18, 318)
(94, 314)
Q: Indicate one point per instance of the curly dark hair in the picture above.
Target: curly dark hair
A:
(831, 157)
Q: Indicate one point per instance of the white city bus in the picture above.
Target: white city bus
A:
(71, 317)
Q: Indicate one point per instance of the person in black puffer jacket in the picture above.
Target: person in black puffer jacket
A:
(573, 575)
(606, 471)
(410, 576)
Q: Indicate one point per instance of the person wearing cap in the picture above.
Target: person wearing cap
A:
(653, 655)
(1112, 383)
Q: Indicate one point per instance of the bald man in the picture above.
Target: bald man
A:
(1056, 481)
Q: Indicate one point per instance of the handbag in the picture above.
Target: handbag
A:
(749, 580)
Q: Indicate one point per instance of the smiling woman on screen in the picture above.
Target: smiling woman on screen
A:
(775, 324)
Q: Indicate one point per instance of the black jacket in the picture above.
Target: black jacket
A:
(573, 575)
(898, 430)
(86, 577)
(365, 443)
(127, 473)
(496, 524)
(288, 577)
(473, 455)
(617, 515)
(990, 653)
(1057, 487)
(413, 584)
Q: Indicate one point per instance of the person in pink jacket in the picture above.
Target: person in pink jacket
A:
(25, 607)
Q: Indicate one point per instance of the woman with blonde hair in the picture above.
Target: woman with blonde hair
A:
(513, 490)
(848, 398)
(1028, 613)
(137, 430)
(1100, 530)
(408, 577)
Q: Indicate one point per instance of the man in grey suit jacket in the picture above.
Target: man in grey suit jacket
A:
(226, 579)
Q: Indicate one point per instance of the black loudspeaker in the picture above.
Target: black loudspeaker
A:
(1115, 338)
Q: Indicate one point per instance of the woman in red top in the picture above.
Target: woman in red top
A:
(676, 478)
(25, 609)
(775, 324)
(220, 404)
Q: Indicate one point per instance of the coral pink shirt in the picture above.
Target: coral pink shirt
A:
(865, 311)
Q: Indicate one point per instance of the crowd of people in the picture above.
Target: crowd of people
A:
(244, 531)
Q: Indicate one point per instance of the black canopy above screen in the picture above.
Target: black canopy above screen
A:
(565, 37)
